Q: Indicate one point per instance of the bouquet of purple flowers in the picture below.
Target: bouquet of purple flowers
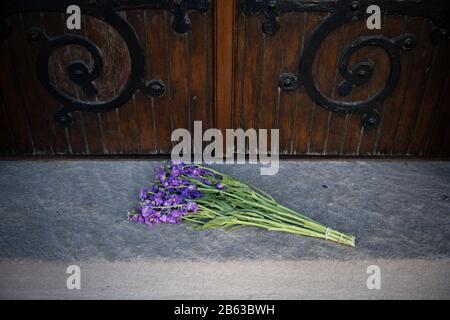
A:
(208, 199)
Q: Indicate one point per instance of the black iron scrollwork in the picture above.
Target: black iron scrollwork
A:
(84, 75)
(340, 13)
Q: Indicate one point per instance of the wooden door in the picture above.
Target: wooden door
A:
(139, 69)
(157, 74)
(276, 41)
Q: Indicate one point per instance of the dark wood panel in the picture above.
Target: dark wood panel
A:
(309, 129)
(431, 94)
(302, 127)
(338, 122)
(137, 116)
(75, 133)
(369, 138)
(158, 48)
(23, 67)
(445, 149)
(293, 31)
(143, 125)
(178, 54)
(353, 129)
(101, 34)
(6, 137)
(440, 123)
(239, 50)
(326, 65)
(223, 45)
(225, 72)
(89, 122)
(251, 73)
(420, 67)
(14, 110)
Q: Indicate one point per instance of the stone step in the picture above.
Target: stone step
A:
(59, 213)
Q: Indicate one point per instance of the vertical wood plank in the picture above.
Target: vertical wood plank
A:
(157, 30)
(252, 73)
(353, 128)
(392, 27)
(211, 70)
(224, 33)
(379, 78)
(91, 121)
(438, 129)
(325, 80)
(378, 56)
(304, 108)
(98, 32)
(292, 32)
(76, 132)
(445, 149)
(13, 99)
(431, 99)
(198, 68)
(143, 107)
(393, 106)
(53, 26)
(179, 75)
(268, 112)
(6, 137)
(421, 60)
(239, 69)
(128, 122)
(337, 121)
(28, 81)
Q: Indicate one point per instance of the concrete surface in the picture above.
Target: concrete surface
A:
(57, 213)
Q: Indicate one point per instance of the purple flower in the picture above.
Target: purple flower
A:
(174, 182)
(173, 200)
(134, 218)
(175, 189)
(176, 214)
(219, 186)
(138, 218)
(209, 173)
(162, 176)
(197, 172)
(146, 212)
(157, 201)
(191, 207)
(148, 221)
(143, 195)
(175, 172)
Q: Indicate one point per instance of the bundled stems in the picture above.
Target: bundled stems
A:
(267, 213)
(209, 199)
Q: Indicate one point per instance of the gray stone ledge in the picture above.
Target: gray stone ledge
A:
(76, 211)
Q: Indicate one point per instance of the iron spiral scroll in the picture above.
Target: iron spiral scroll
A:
(84, 75)
(340, 13)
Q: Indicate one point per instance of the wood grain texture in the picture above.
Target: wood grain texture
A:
(157, 59)
(293, 37)
(303, 119)
(6, 136)
(307, 128)
(30, 88)
(14, 105)
(224, 29)
(143, 125)
(224, 72)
